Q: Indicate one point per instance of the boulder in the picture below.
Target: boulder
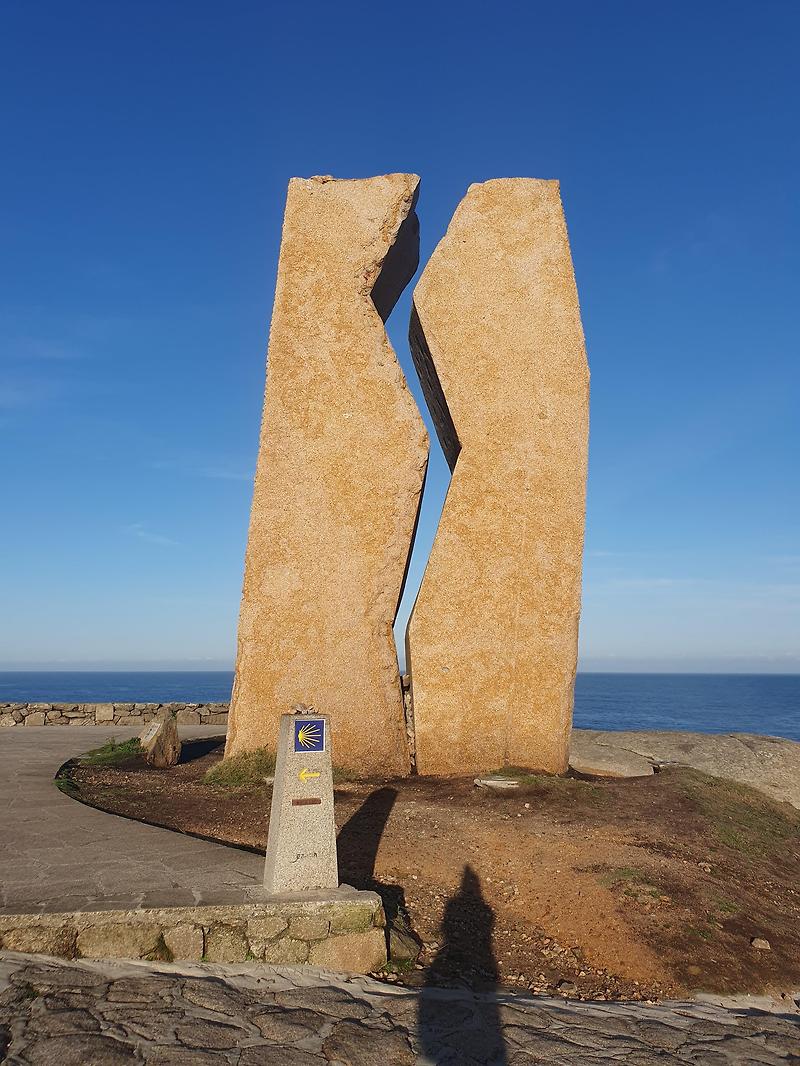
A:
(160, 742)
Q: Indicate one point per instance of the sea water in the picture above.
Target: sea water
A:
(705, 703)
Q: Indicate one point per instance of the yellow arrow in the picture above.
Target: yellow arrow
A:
(306, 775)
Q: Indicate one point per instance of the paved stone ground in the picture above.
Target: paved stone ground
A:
(65, 1013)
(59, 855)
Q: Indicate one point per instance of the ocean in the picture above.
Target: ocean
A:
(705, 703)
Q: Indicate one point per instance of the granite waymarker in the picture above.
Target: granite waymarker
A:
(301, 847)
(497, 340)
(340, 468)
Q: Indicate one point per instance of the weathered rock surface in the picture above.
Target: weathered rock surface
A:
(497, 340)
(201, 1015)
(340, 469)
(160, 742)
(600, 760)
(770, 764)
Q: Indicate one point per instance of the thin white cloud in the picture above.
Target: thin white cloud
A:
(211, 470)
(139, 530)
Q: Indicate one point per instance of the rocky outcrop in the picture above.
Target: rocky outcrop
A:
(769, 764)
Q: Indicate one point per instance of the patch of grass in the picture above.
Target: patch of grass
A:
(726, 906)
(742, 818)
(246, 770)
(634, 880)
(532, 783)
(250, 768)
(398, 966)
(699, 932)
(618, 874)
(112, 753)
(65, 784)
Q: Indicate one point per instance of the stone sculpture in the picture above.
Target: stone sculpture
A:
(340, 469)
(497, 340)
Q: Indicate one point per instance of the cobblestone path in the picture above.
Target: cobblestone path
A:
(80, 1014)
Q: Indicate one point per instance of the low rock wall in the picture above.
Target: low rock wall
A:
(124, 714)
(345, 934)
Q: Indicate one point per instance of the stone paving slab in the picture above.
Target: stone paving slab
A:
(59, 855)
(55, 1012)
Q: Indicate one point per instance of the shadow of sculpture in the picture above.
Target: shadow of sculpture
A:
(197, 747)
(463, 1028)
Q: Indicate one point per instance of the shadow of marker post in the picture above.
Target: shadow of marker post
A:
(358, 842)
(463, 1030)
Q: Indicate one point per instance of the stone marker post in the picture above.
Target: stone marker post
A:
(301, 846)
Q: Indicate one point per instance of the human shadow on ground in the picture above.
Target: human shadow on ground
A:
(357, 845)
(464, 1029)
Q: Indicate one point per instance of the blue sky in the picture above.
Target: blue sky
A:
(147, 148)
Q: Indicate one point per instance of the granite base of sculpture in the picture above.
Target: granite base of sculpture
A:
(498, 345)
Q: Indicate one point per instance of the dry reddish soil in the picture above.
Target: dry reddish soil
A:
(623, 889)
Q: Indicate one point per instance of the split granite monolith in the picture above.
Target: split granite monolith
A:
(497, 340)
(340, 469)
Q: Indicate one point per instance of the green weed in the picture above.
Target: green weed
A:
(246, 770)
(742, 818)
(112, 753)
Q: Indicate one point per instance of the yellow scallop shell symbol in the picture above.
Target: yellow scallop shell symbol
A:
(308, 735)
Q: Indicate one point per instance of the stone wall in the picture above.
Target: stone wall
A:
(345, 933)
(122, 714)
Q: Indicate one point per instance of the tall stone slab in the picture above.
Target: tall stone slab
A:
(497, 340)
(340, 469)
